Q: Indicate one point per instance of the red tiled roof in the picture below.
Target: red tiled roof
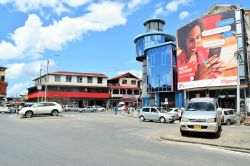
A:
(123, 75)
(70, 94)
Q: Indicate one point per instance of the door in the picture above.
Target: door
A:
(146, 112)
(154, 114)
(40, 109)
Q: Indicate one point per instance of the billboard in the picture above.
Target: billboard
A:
(206, 52)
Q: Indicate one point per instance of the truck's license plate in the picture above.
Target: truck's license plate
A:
(197, 127)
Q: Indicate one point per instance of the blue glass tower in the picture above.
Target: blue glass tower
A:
(157, 52)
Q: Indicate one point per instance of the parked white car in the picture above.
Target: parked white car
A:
(176, 112)
(51, 108)
(99, 108)
(67, 108)
(154, 114)
(4, 109)
(228, 116)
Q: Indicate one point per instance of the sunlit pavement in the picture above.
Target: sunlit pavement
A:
(233, 137)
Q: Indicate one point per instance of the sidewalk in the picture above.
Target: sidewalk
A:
(233, 137)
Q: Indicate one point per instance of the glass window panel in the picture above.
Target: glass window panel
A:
(99, 80)
(57, 78)
(68, 78)
(90, 79)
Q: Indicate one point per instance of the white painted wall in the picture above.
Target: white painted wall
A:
(73, 82)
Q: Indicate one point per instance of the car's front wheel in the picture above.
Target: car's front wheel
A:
(28, 114)
(162, 120)
(54, 113)
(228, 122)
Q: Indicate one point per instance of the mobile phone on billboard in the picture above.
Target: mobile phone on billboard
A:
(214, 51)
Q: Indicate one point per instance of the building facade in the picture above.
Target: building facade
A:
(224, 34)
(125, 88)
(71, 87)
(3, 84)
(157, 52)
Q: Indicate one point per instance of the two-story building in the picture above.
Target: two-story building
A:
(71, 87)
(3, 84)
(125, 88)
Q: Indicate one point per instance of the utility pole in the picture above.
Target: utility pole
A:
(46, 81)
(40, 82)
(238, 88)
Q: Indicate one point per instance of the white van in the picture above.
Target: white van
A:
(201, 115)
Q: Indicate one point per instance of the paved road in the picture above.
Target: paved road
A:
(99, 139)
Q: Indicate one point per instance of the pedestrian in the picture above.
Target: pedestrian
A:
(115, 108)
(126, 110)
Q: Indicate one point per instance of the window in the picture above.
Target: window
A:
(79, 79)
(99, 80)
(115, 91)
(57, 78)
(68, 78)
(129, 92)
(153, 110)
(124, 81)
(48, 104)
(2, 78)
(123, 91)
(90, 79)
(145, 110)
(133, 82)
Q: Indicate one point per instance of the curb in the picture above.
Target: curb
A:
(232, 148)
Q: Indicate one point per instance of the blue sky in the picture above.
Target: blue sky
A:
(88, 35)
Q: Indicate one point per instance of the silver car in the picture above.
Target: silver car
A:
(201, 115)
(67, 108)
(89, 109)
(154, 114)
(228, 116)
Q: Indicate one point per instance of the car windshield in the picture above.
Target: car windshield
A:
(201, 106)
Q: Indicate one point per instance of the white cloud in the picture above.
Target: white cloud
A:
(183, 15)
(158, 11)
(137, 73)
(57, 6)
(33, 37)
(76, 3)
(174, 5)
(19, 88)
(26, 70)
(133, 4)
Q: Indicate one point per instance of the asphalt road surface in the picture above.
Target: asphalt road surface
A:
(100, 139)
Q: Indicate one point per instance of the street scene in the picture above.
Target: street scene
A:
(103, 138)
(124, 83)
